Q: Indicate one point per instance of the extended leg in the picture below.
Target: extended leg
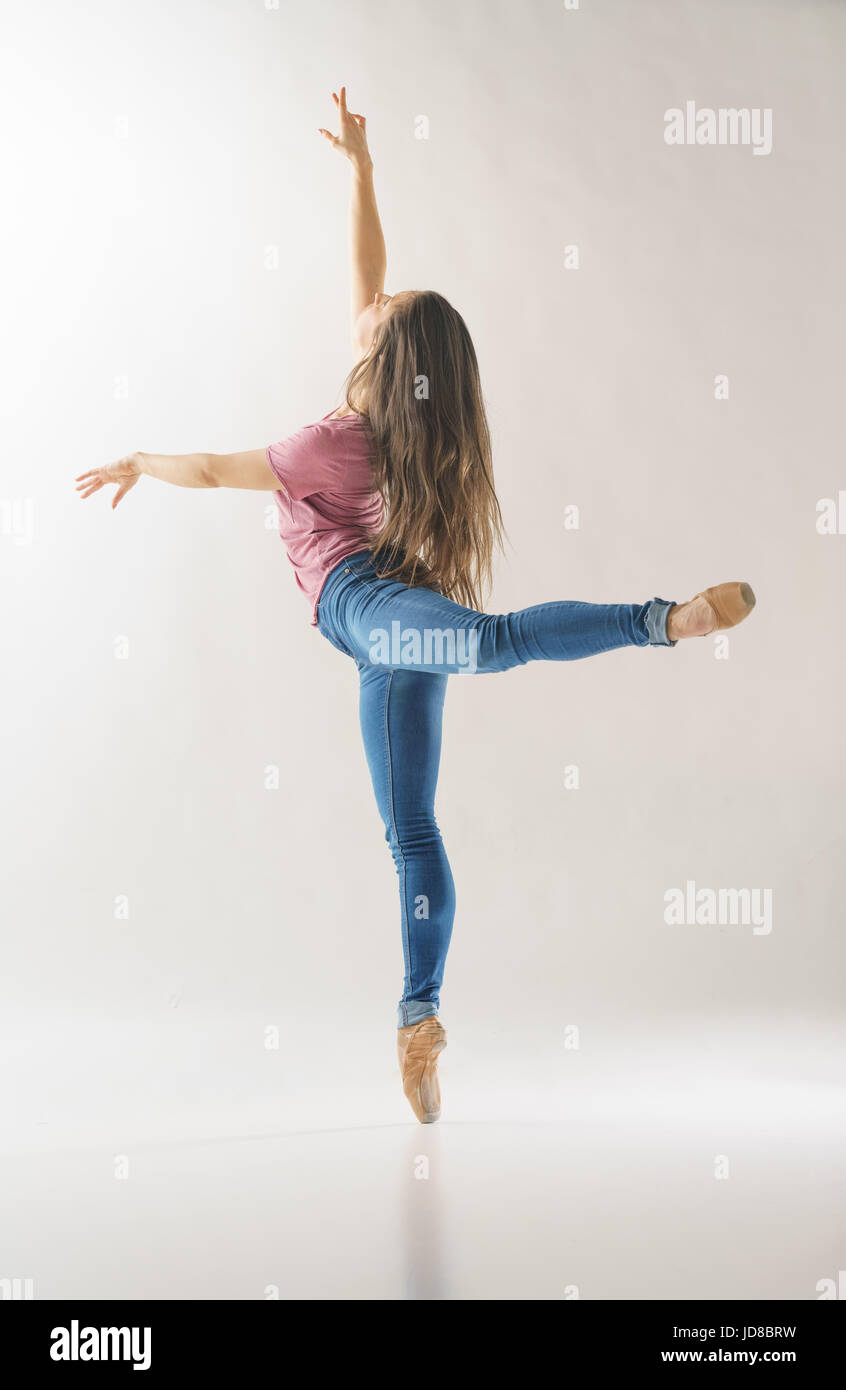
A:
(388, 624)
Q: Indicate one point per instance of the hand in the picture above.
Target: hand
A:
(351, 139)
(124, 474)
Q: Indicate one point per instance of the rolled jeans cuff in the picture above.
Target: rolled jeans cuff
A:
(656, 623)
(415, 1011)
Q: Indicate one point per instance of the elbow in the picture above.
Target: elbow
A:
(209, 474)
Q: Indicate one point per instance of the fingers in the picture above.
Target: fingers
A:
(341, 104)
(327, 135)
(124, 489)
(345, 116)
(89, 482)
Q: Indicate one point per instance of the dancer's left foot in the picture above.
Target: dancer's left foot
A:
(418, 1047)
(725, 605)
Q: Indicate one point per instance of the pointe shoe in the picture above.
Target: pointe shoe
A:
(418, 1048)
(728, 603)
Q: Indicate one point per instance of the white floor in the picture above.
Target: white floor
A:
(553, 1173)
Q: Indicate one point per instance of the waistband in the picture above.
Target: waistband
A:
(357, 563)
(361, 562)
(357, 558)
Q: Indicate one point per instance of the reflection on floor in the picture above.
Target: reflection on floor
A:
(705, 1173)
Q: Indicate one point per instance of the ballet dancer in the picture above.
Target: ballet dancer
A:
(389, 516)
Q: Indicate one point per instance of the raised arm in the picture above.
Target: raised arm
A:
(368, 260)
(249, 469)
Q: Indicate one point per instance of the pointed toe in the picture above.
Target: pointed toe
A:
(731, 603)
(419, 1046)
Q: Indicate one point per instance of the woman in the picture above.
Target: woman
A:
(389, 516)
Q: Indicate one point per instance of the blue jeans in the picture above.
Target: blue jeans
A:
(405, 642)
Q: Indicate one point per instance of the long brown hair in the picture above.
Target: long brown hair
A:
(419, 385)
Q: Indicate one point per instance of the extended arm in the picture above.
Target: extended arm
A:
(248, 469)
(368, 261)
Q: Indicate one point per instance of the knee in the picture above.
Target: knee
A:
(499, 644)
(412, 834)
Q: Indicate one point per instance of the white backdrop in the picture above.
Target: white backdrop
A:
(175, 280)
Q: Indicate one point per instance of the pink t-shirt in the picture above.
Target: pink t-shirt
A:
(327, 507)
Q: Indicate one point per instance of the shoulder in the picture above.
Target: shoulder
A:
(342, 436)
(318, 457)
(331, 426)
(349, 418)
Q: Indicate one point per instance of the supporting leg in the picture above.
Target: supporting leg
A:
(401, 718)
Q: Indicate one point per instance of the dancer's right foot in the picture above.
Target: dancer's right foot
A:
(418, 1047)
(724, 606)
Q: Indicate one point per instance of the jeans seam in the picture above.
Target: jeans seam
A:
(403, 904)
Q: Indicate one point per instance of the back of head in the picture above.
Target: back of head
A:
(419, 385)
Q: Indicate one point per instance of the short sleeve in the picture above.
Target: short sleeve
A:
(304, 463)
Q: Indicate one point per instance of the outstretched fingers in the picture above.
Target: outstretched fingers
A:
(343, 109)
(352, 127)
(88, 483)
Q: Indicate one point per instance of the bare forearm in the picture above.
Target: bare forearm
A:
(248, 469)
(368, 258)
(183, 470)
